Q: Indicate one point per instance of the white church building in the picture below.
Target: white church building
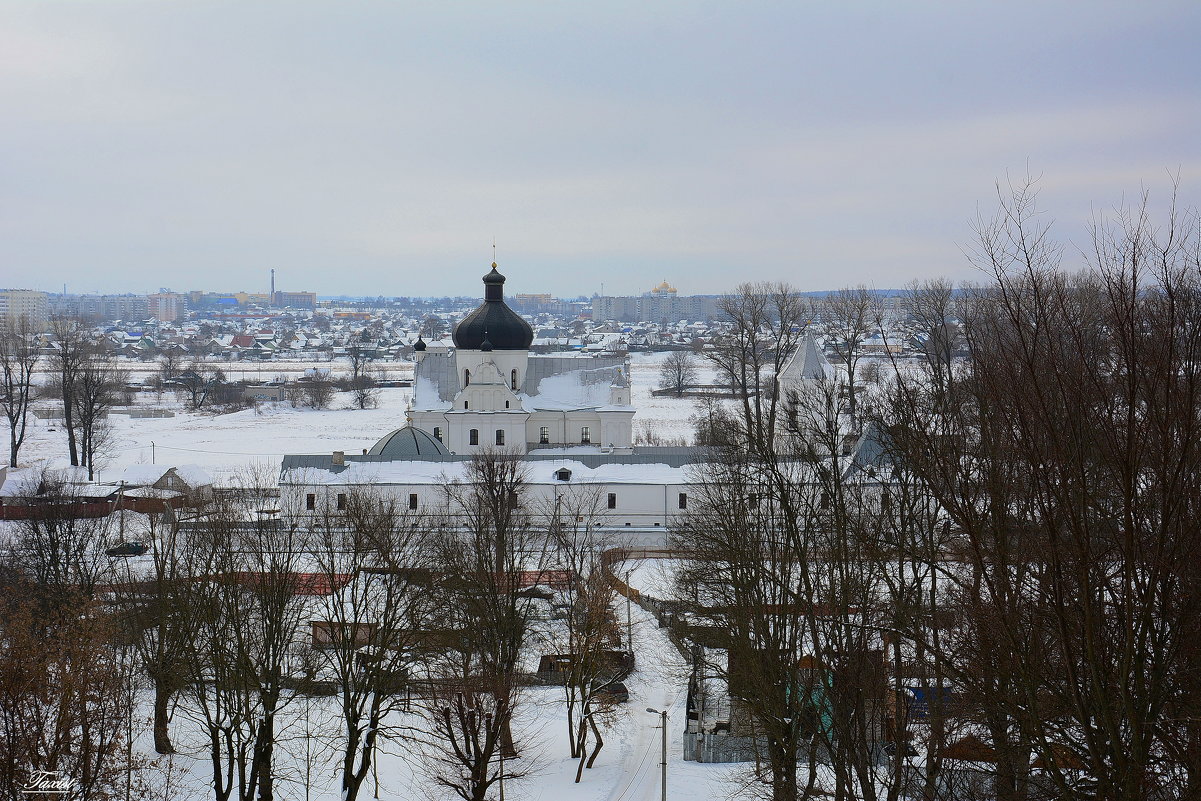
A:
(568, 417)
(491, 393)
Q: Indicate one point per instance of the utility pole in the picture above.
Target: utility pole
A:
(663, 726)
(152, 452)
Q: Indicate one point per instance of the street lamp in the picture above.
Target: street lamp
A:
(663, 725)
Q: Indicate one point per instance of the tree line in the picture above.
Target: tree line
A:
(1002, 570)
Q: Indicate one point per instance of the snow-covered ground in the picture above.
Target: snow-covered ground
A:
(628, 768)
(227, 444)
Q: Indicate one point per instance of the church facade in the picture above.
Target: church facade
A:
(490, 392)
(569, 417)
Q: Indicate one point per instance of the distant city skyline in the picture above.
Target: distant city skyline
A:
(377, 149)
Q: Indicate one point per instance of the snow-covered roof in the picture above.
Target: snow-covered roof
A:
(442, 473)
(143, 475)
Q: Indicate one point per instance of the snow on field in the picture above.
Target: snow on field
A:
(228, 444)
(666, 417)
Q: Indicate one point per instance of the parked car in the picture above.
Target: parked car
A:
(614, 692)
(127, 549)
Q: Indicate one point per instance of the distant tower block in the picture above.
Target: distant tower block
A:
(272, 286)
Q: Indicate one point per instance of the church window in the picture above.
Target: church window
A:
(466, 378)
(612, 500)
(544, 435)
(500, 436)
(513, 380)
(341, 500)
(438, 433)
(585, 435)
(310, 501)
(683, 500)
(464, 404)
(473, 437)
(412, 500)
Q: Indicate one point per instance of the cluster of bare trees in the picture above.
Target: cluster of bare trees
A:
(19, 359)
(1002, 576)
(399, 626)
(85, 381)
(65, 685)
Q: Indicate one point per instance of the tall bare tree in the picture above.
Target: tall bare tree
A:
(64, 699)
(591, 634)
(678, 372)
(375, 559)
(766, 324)
(245, 615)
(71, 348)
(1066, 461)
(98, 388)
(487, 550)
(848, 318)
(18, 360)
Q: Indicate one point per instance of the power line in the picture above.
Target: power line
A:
(198, 450)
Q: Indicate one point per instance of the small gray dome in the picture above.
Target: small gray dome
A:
(408, 443)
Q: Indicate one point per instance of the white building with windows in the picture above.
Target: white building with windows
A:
(490, 392)
(568, 417)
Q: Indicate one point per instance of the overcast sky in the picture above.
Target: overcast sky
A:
(372, 148)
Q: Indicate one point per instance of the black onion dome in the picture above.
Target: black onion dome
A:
(419, 344)
(493, 322)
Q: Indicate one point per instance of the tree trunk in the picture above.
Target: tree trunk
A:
(162, 700)
(69, 424)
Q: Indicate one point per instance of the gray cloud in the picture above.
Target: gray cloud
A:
(376, 148)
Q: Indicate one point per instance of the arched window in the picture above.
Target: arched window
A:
(500, 436)
(513, 380)
(473, 437)
(466, 378)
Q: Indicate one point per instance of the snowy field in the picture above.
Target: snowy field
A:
(255, 439)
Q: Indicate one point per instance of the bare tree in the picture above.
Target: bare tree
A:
(98, 388)
(931, 305)
(70, 351)
(170, 362)
(362, 384)
(487, 549)
(374, 557)
(155, 618)
(592, 637)
(198, 381)
(18, 361)
(1062, 459)
(766, 324)
(64, 698)
(678, 372)
(245, 616)
(849, 317)
(58, 540)
(318, 390)
(433, 327)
